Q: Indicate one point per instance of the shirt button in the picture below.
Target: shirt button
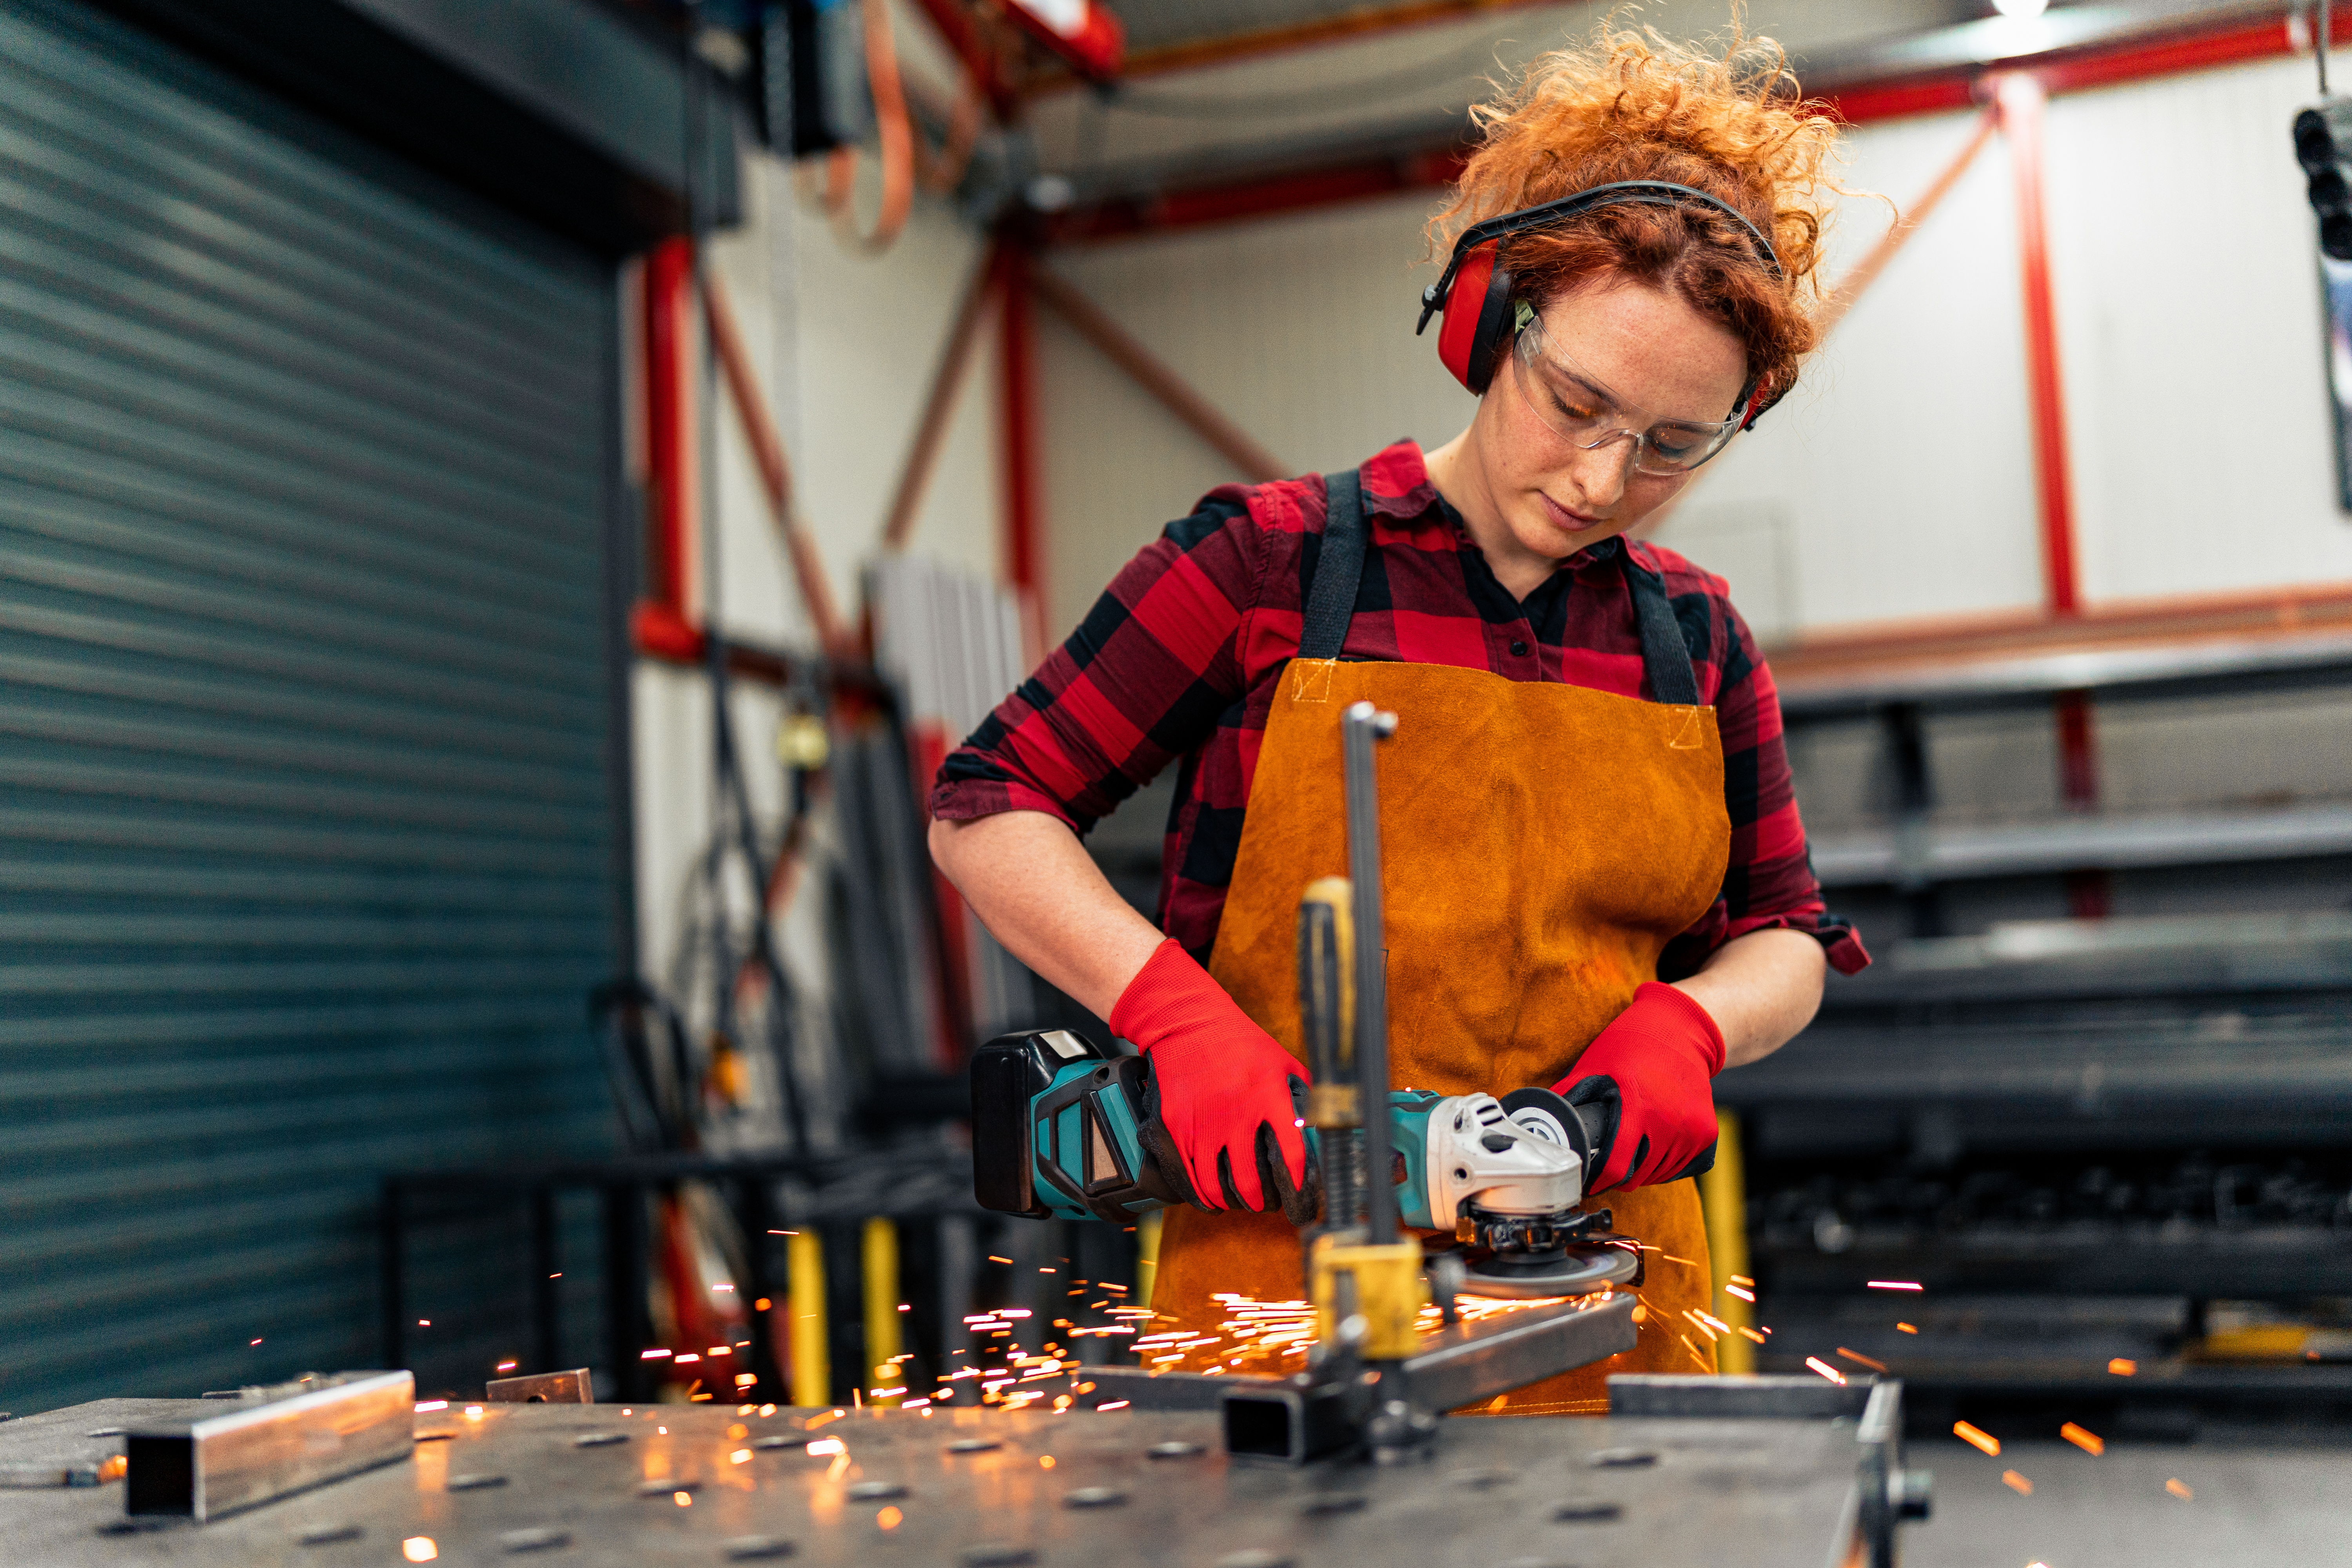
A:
(1520, 650)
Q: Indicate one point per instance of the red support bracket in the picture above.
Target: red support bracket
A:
(671, 478)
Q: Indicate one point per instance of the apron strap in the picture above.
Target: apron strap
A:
(1665, 657)
(1338, 569)
(1340, 572)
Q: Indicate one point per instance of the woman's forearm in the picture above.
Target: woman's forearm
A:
(1760, 989)
(1035, 887)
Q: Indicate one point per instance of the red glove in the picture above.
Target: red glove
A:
(1647, 1075)
(1221, 1088)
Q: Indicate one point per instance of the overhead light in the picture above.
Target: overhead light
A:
(1050, 193)
(2024, 10)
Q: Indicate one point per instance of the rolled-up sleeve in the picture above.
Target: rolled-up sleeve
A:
(1140, 682)
(1768, 883)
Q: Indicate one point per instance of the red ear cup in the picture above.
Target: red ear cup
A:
(1756, 400)
(1465, 305)
(1494, 333)
(1477, 321)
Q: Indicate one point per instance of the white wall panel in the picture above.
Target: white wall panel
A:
(2189, 312)
(862, 333)
(1896, 479)
(855, 337)
(1300, 330)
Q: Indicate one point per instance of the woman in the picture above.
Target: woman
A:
(1595, 875)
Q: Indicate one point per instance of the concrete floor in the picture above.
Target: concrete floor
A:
(2264, 1501)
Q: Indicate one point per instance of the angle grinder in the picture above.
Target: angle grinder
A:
(1060, 1132)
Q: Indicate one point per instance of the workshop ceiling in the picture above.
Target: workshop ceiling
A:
(1219, 90)
(1153, 26)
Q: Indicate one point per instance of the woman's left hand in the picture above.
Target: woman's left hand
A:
(1649, 1075)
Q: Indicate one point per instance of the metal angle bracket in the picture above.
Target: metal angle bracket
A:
(257, 1452)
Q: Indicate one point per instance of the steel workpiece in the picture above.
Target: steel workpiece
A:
(250, 1447)
(1455, 1366)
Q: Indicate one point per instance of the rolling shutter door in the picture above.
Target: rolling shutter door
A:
(306, 833)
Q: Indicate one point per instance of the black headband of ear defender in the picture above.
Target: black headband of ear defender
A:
(1640, 192)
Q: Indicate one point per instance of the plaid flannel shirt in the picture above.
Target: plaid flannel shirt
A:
(1180, 658)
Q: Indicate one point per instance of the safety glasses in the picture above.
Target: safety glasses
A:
(1575, 405)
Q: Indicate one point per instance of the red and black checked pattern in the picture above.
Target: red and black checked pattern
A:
(1178, 659)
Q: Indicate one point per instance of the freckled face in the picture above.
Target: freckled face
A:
(1644, 351)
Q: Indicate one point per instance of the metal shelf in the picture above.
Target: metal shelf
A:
(2181, 670)
(1996, 1376)
(1919, 852)
(2256, 1262)
(2049, 960)
(2105, 1060)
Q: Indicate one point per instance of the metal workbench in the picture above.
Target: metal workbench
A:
(705, 1484)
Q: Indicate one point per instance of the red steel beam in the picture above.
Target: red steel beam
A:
(1936, 642)
(2022, 100)
(671, 478)
(2019, 101)
(2173, 53)
(961, 32)
(1232, 49)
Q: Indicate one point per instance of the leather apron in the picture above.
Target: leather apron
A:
(1541, 843)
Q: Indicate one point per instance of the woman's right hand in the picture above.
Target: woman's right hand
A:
(1221, 1084)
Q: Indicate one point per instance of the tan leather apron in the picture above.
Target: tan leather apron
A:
(1542, 843)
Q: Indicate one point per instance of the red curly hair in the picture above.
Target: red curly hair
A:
(1629, 105)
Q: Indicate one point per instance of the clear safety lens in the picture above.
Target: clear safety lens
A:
(1579, 409)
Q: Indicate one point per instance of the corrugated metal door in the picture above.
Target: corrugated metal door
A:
(305, 835)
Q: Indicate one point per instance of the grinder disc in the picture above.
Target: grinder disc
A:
(1573, 1271)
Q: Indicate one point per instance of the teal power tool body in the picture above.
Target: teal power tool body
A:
(1061, 1131)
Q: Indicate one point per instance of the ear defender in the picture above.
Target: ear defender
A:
(1477, 318)
(1474, 293)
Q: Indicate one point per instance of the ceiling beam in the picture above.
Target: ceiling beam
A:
(1857, 98)
(1370, 21)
